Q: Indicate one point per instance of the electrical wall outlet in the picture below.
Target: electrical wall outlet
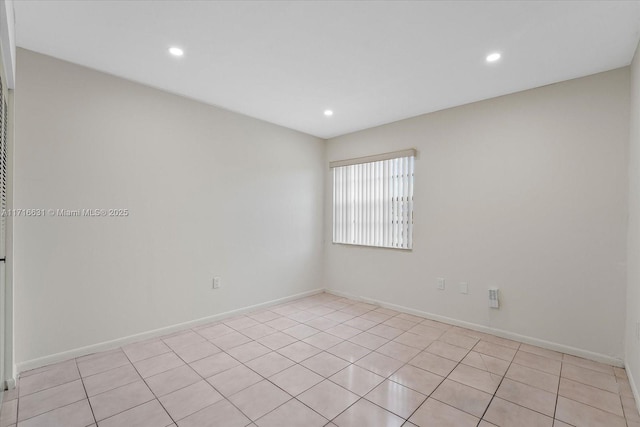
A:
(637, 331)
(464, 288)
(440, 283)
(216, 282)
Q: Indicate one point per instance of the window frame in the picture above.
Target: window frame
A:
(383, 217)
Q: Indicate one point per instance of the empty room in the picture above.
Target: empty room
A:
(319, 213)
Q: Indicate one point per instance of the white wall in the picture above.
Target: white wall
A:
(632, 353)
(210, 193)
(526, 192)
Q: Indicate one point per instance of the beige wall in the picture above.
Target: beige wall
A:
(632, 353)
(210, 193)
(526, 192)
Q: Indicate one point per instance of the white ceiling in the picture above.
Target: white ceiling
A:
(370, 62)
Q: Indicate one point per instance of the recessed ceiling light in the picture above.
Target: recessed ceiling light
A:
(328, 113)
(176, 51)
(493, 57)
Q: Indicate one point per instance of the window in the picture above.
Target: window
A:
(373, 200)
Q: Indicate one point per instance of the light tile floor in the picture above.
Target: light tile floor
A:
(323, 360)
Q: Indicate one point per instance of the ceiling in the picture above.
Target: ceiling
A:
(370, 62)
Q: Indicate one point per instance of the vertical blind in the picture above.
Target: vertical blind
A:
(4, 124)
(373, 200)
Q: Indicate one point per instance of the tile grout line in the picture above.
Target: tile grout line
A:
(46, 412)
(53, 386)
(85, 392)
(18, 402)
(147, 385)
(624, 412)
(555, 408)
(445, 377)
(498, 387)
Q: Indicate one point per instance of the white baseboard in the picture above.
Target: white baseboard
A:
(632, 383)
(109, 345)
(602, 358)
(10, 383)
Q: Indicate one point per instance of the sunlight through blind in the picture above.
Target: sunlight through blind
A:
(373, 200)
(4, 124)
